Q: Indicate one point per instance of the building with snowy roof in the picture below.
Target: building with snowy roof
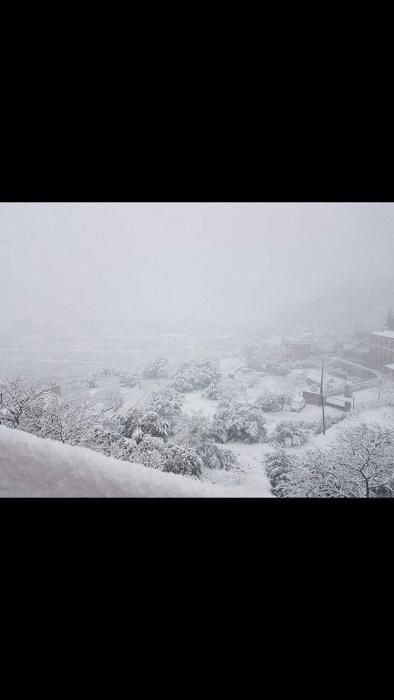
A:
(381, 348)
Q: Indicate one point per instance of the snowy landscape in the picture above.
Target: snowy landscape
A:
(199, 365)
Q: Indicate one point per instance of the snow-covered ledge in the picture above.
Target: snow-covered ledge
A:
(34, 467)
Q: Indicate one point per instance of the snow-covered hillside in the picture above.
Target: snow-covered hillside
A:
(31, 466)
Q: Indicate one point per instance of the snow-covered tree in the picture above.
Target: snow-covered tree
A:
(360, 464)
(17, 397)
(167, 403)
(363, 459)
(66, 421)
(292, 433)
(239, 421)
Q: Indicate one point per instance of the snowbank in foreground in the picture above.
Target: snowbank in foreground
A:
(31, 466)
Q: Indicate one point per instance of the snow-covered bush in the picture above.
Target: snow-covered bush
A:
(151, 452)
(197, 432)
(112, 444)
(182, 459)
(292, 433)
(142, 448)
(196, 374)
(268, 402)
(154, 425)
(273, 402)
(156, 369)
(278, 465)
(215, 457)
(329, 421)
(239, 421)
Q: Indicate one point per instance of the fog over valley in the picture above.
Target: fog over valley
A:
(225, 342)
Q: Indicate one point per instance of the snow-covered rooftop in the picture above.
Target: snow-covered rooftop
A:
(385, 334)
(34, 467)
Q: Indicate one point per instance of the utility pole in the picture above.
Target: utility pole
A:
(322, 396)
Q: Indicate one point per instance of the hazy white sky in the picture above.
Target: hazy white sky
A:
(183, 261)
